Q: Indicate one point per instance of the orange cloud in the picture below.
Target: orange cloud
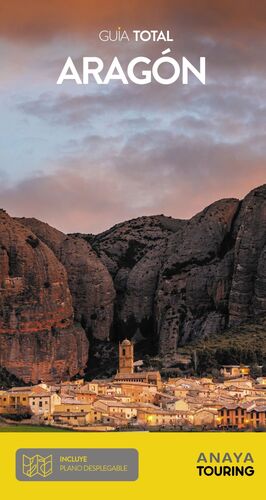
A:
(41, 20)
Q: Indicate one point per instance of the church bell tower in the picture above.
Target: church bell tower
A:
(126, 357)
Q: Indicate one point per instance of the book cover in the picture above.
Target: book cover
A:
(132, 248)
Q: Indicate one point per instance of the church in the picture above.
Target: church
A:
(126, 368)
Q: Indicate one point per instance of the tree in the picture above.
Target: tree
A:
(255, 371)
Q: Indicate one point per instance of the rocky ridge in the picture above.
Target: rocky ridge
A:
(38, 337)
(90, 283)
(165, 282)
(179, 280)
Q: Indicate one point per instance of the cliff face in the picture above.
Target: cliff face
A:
(133, 252)
(90, 283)
(38, 339)
(154, 279)
(248, 292)
(179, 280)
(195, 279)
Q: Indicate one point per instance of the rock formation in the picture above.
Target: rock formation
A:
(195, 279)
(89, 281)
(133, 252)
(38, 339)
(163, 282)
(179, 280)
(248, 292)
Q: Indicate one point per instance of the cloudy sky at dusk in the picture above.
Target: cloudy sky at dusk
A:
(86, 157)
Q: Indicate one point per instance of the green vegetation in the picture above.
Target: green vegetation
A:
(8, 380)
(21, 414)
(31, 428)
(245, 344)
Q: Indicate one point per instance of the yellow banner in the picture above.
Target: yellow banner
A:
(170, 465)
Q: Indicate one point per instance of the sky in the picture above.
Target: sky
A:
(85, 157)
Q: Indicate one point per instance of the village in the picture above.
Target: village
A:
(141, 400)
